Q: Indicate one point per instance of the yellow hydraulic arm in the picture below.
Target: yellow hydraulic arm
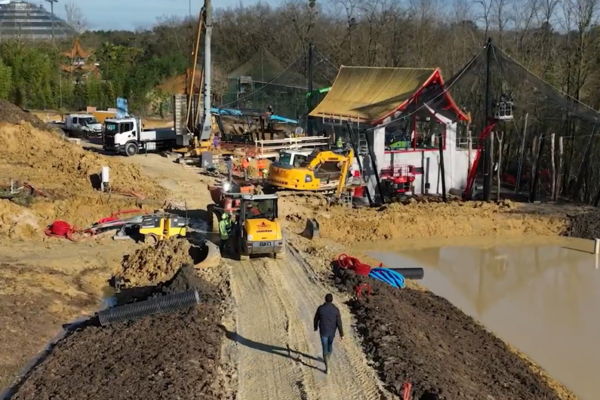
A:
(344, 176)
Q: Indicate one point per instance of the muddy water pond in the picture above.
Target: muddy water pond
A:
(543, 299)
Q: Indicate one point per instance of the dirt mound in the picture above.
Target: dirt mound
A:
(166, 356)
(152, 265)
(418, 337)
(13, 114)
(67, 174)
(421, 219)
(586, 225)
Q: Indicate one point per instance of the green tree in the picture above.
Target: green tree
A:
(5, 80)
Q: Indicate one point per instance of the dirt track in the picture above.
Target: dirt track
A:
(276, 301)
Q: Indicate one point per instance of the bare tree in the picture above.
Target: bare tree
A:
(75, 18)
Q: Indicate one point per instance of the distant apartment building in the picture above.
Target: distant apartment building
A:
(28, 21)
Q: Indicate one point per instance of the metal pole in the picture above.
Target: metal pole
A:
(442, 169)
(52, 12)
(520, 168)
(309, 120)
(487, 154)
(207, 123)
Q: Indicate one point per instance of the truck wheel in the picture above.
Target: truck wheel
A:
(243, 257)
(150, 239)
(131, 149)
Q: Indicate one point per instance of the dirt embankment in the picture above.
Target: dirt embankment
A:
(585, 225)
(13, 114)
(69, 176)
(159, 357)
(154, 264)
(426, 219)
(415, 336)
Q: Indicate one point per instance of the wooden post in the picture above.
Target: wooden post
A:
(492, 160)
(534, 153)
(500, 137)
(521, 156)
(553, 165)
(560, 168)
(536, 176)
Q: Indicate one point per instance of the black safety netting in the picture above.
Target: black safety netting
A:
(535, 89)
(531, 94)
(543, 118)
(264, 80)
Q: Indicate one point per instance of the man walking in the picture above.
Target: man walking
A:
(328, 320)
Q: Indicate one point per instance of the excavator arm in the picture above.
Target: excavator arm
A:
(344, 177)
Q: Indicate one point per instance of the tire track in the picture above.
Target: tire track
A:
(350, 375)
(267, 370)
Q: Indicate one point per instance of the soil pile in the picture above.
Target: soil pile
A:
(13, 114)
(68, 174)
(418, 337)
(152, 265)
(430, 219)
(586, 225)
(169, 356)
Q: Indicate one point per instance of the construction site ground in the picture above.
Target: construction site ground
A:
(265, 306)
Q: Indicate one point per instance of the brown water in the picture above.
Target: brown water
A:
(544, 300)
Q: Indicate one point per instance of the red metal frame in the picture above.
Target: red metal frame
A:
(436, 77)
(468, 192)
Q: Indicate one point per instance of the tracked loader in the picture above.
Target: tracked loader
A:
(323, 171)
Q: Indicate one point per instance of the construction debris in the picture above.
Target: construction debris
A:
(68, 177)
(152, 265)
(417, 337)
(130, 360)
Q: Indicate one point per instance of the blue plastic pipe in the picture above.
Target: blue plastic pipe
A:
(392, 278)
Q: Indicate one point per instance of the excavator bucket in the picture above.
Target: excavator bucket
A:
(311, 231)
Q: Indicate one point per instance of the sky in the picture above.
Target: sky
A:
(132, 14)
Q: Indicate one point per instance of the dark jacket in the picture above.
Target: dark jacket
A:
(328, 319)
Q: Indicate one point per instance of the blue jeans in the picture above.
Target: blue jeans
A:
(327, 343)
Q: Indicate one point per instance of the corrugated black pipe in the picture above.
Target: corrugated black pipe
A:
(168, 303)
(410, 273)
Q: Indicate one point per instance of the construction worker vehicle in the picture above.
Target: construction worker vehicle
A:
(257, 230)
(227, 198)
(323, 171)
(80, 125)
(295, 158)
(154, 227)
(126, 136)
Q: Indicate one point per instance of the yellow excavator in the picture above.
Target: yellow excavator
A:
(323, 171)
(257, 229)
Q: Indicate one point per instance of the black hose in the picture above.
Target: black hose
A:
(168, 303)
(410, 273)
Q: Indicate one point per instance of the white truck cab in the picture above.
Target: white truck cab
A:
(85, 125)
(126, 136)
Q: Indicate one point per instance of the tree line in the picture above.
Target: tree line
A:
(557, 40)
